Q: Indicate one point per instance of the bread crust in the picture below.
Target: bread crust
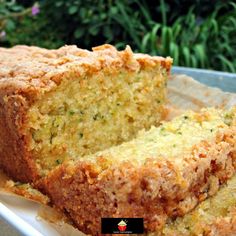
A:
(27, 73)
(33, 71)
(15, 159)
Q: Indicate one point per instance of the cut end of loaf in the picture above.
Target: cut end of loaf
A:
(91, 113)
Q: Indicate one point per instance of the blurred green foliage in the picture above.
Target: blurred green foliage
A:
(195, 33)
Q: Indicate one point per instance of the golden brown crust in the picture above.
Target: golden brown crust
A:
(34, 71)
(26, 73)
(15, 159)
(154, 191)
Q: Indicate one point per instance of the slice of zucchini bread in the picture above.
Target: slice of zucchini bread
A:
(215, 216)
(162, 173)
(60, 104)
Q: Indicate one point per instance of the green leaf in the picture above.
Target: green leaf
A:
(94, 30)
(107, 31)
(233, 4)
(186, 55)
(232, 21)
(163, 12)
(214, 26)
(120, 45)
(16, 8)
(82, 12)
(58, 3)
(144, 10)
(176, 30)
(194, 61)
(79, 33)
(174, 52)
(166, 38)
(127, 24)
(145, 43)
(72, 9)
(10, 25)
(201, 54)
(226, 63)
(153, 37)
(103, 16)
(113, 10)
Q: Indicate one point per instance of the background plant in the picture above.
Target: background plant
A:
(197, 42)
(195, 33)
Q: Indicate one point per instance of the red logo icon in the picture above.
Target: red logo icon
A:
(122, 226)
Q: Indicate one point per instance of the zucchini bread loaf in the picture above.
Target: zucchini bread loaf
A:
(162, 173)
(61, 104)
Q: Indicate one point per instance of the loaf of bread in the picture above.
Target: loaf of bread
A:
(67, 103)
(162, 173)
(80, 126)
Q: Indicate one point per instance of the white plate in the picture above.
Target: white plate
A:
(22, 215)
